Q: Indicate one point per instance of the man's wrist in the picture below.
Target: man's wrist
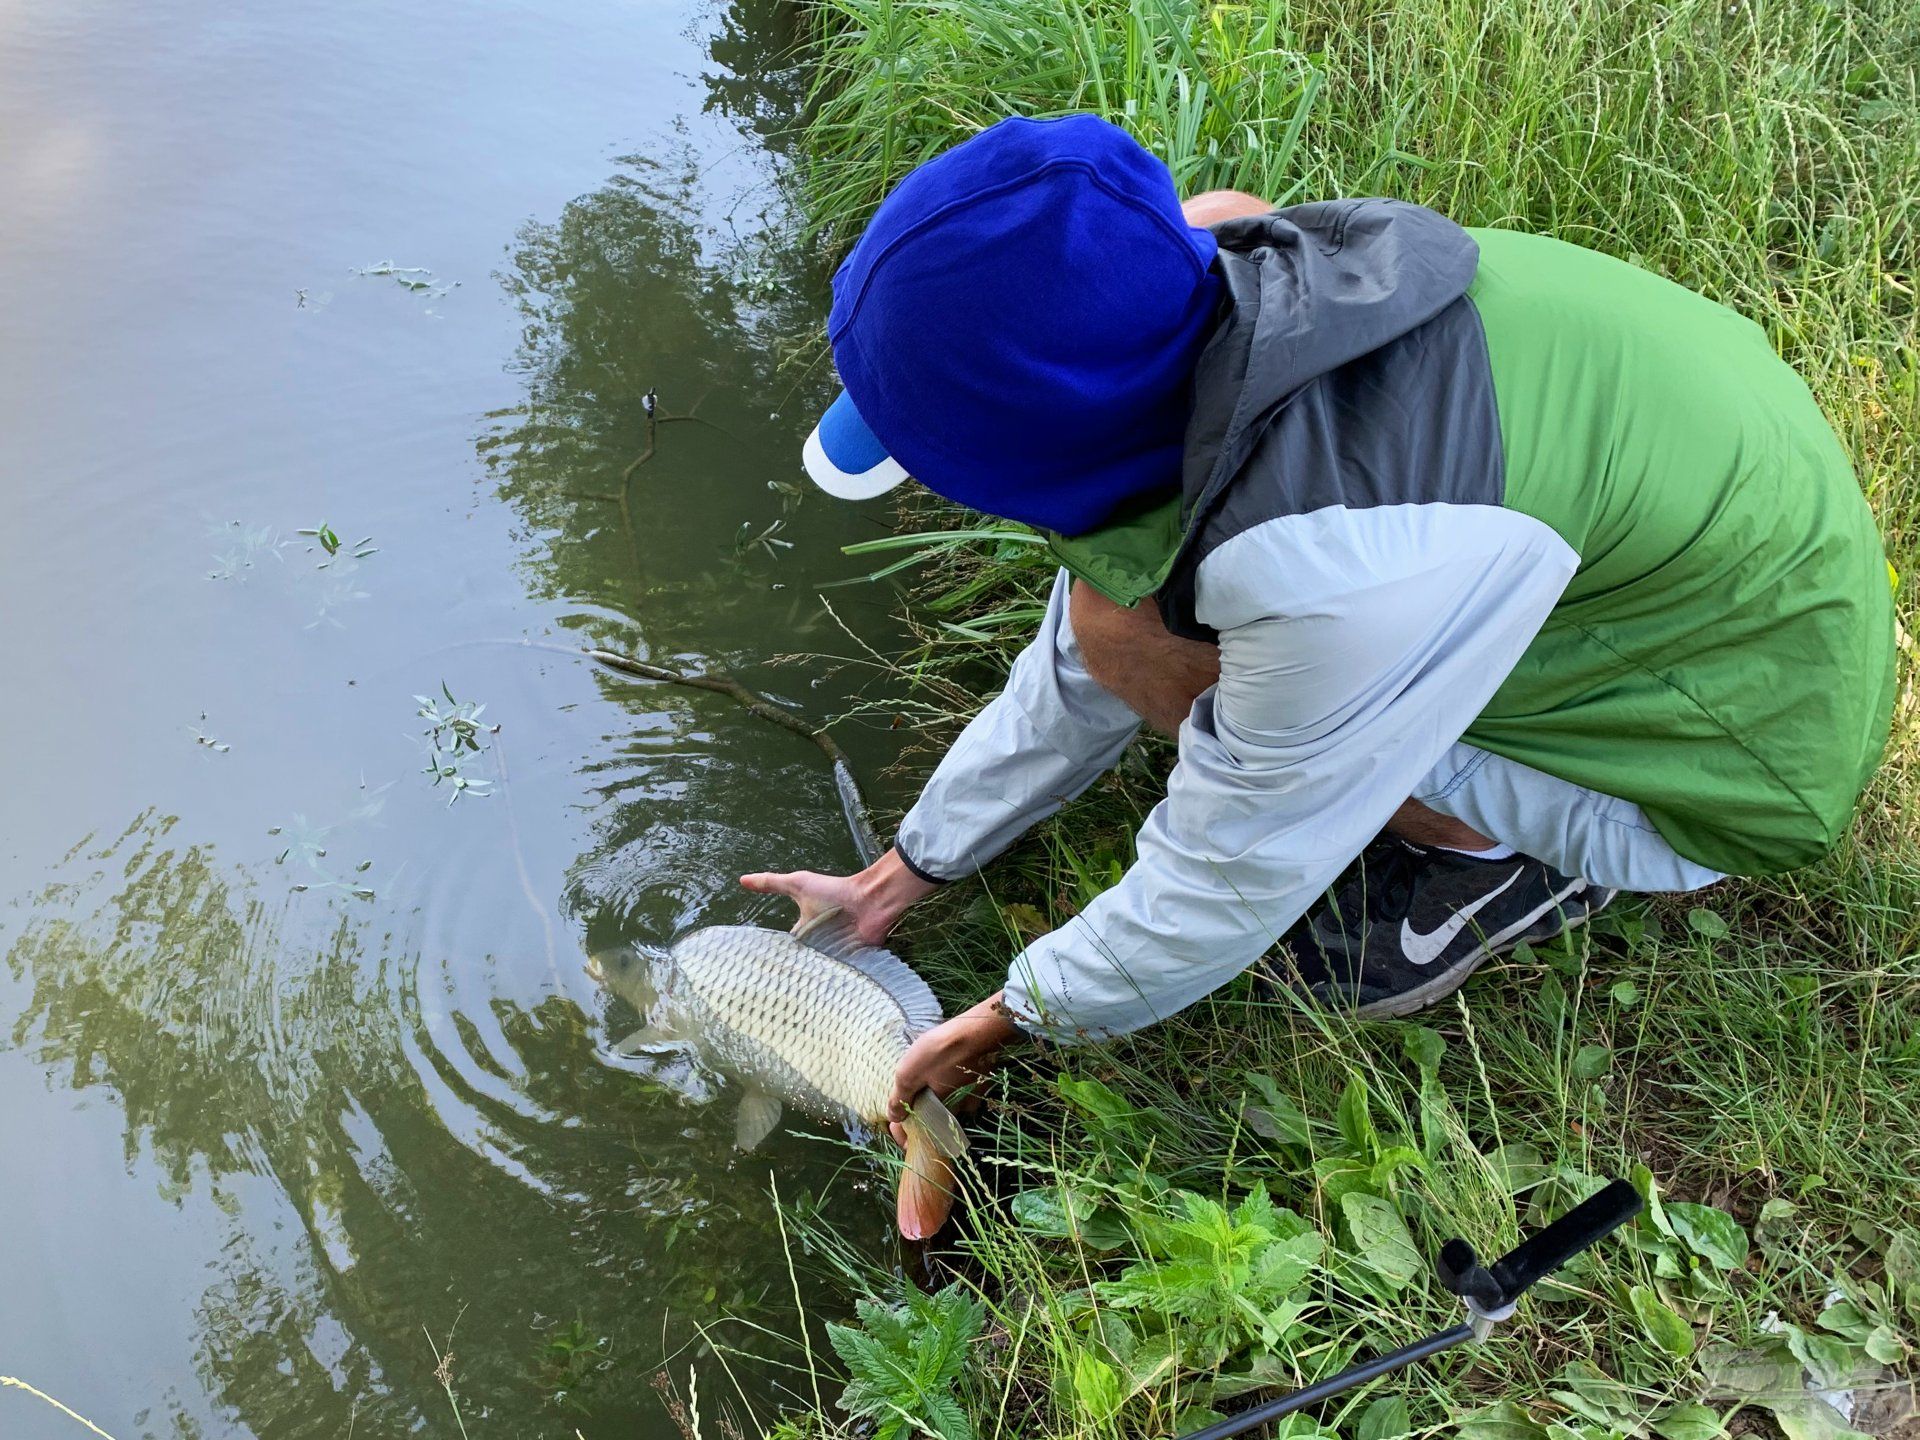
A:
(889, 887)
(993, 1013)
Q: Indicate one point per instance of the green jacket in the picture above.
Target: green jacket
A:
(1723, 653)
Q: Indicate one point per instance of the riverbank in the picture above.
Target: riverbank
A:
(1248, 1196)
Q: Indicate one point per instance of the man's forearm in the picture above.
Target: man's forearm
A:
(889, 888)
(1045, 738)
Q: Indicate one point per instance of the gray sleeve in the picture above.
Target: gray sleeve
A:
(1356, 646)
(1051, 733)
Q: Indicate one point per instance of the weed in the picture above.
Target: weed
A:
(206, 741)
(454, 737)
(904, 1360)
(412, 278)
(569, 1360)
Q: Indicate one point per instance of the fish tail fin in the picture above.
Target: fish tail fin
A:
(926, 1184)
(940, 1124)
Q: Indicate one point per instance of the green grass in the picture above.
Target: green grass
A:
(1756, 1049)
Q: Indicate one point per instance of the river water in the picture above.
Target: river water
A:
(303, 1077)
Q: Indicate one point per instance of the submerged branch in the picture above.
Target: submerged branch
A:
(852, 803)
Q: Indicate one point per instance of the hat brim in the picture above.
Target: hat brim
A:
(845, 459)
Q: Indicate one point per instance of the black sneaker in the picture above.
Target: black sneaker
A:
(1409, 924)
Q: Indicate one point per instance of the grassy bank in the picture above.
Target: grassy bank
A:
(1245, 1197)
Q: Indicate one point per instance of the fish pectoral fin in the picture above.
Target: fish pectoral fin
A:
(759, 1113)
(647, 1037)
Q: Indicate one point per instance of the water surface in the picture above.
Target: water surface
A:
(301, 1070)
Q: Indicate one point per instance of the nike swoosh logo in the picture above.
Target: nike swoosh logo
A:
(1425, 949)
(1521, 925)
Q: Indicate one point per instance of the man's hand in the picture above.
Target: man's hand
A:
(876, 898)
(959, 1052)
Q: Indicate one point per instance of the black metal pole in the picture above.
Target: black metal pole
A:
(1324, 1389)
(1489, 1290)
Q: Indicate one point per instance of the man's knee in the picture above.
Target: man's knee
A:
(1131, 653)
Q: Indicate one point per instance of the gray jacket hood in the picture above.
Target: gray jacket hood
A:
(1308, 289)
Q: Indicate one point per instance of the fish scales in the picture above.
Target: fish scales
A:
(816, 1027)
(816, 1017)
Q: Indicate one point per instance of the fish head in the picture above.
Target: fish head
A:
(628, 971)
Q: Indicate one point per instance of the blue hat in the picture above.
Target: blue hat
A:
(1017, 329)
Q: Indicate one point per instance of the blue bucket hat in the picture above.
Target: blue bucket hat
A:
(1017, 329)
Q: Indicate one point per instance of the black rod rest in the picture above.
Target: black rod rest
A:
(1489, 1292)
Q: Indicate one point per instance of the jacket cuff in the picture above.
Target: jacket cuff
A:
(907, 860)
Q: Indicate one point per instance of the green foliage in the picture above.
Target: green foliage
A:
(1758, 1047)
(904, 1361)
(1664, 1328)
(455, 736)
(1219, 1281)
(570, 1360)
(1711, 1234)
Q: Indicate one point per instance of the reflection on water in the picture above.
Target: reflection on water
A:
(435, 1160)
(309, 1071)
(645, 447)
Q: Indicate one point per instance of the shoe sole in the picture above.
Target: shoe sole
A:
(1421, 997)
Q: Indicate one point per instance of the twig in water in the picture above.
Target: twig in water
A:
(9, 1382)
(852, 803)
(520, 863)
(443, 1370)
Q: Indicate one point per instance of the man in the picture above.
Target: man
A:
(1544, 571)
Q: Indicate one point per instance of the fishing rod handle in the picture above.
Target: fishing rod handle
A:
(1495, 1287)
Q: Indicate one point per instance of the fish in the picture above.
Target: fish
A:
(812, 1018)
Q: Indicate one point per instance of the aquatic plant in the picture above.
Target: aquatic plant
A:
(454, 736)
(414, 278)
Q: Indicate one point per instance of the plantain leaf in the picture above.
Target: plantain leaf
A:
(1385, 1419)
(1713, 1235)
(1356, 1120)
(1502, 1420)
(1381, 1239)
(1666, 1329)
(1688, 1422)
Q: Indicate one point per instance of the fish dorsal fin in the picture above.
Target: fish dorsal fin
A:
(831, 933)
